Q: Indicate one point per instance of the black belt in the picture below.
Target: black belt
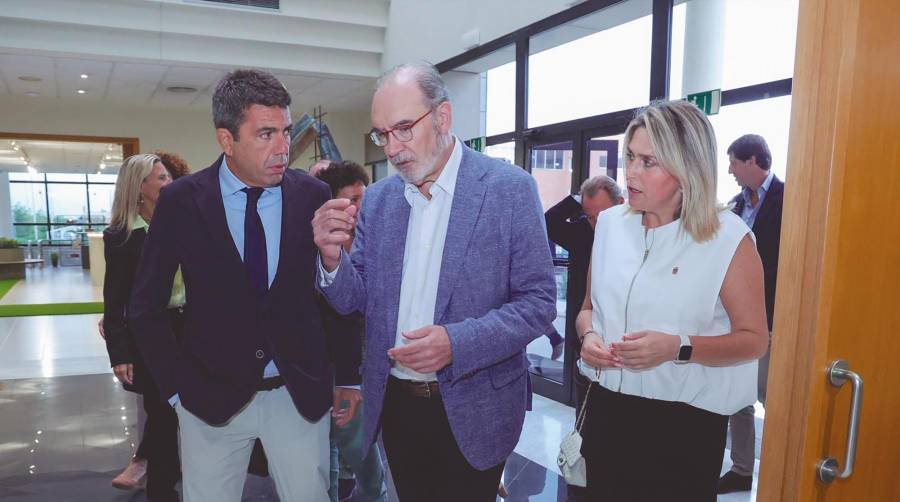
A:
(416, 388)
(270, 383)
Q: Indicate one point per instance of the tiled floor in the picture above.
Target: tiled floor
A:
(53, 285)
(67, 427)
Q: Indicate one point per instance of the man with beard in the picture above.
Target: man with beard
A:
(254, 361)
(450, 266)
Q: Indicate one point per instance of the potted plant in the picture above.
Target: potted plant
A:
(10, 250)
(54, 259)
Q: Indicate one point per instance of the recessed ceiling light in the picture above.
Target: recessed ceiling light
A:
(102, 165)
(29, 78)
(84, 75)
(81, 91)
(181, 89)
(32, 94)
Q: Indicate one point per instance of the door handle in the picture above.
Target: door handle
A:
(828, 468)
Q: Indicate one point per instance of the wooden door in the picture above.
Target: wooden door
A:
(839, 270)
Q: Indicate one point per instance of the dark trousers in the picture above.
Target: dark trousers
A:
(160, 447)
(424, 459)
(640, 449)
(159, 444)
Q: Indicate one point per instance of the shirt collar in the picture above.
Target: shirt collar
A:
(768, 182)
(230, 183)
(764, 188)
(447, 180)
(139, 223)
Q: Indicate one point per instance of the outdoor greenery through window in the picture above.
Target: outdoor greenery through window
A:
(59, 207)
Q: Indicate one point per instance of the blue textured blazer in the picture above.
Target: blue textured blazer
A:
(496, 293)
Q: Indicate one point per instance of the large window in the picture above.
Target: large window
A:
(59, 206)
(483, 93)
(713, 48)
(555, 97)
(595, 64)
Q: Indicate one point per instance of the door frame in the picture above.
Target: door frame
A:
(827, 68)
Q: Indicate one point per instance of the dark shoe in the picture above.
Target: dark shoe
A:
(734, 482)
(346, 486)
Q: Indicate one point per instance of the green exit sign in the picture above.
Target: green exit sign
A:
(476, 144)
(708, 101)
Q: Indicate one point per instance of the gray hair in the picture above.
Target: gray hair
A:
(427, 78)
(591, 186)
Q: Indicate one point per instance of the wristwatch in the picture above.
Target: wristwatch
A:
(684, 353)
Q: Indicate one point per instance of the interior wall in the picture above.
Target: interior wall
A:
(188, 133)
(433, 29)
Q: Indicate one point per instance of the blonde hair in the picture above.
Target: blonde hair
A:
(127, 201)
(684, 143)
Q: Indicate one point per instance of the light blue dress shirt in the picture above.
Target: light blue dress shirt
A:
(748, 214)
(269, 209)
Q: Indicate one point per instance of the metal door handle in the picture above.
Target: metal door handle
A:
(828, 468)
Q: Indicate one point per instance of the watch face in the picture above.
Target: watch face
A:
(685, 353)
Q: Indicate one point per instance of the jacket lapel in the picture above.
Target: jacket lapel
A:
(212, 210)
(775, 192)
(289, 198)
(392, 247)
(467, 200)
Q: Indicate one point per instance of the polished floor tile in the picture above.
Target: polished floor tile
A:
(53, 285)
(48, 346)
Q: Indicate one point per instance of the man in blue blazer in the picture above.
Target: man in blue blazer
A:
(759, 205)
(450, 267)
(254, 361)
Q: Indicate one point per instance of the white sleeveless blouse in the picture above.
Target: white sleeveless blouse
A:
(663, 280)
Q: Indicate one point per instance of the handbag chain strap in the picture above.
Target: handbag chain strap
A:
(580, 421)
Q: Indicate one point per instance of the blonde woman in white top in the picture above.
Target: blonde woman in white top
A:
(673, 320)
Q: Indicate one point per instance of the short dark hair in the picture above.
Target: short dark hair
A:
(752, 145)
(242, 89)
(343, 174)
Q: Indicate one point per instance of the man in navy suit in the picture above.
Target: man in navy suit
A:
(759, 205)
(450, 266)
(254, 361)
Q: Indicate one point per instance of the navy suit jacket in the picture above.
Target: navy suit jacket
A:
(568, 227)
(496, 293)
(767, 230)
(229, 334)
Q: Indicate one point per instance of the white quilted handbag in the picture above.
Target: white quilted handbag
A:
(571, 463)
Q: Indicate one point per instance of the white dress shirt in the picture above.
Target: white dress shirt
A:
(422, 256)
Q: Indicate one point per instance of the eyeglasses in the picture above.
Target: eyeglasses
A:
(401, 133)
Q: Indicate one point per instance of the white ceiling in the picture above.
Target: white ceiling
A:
(59, 156)
(326, 52)
(144, 84)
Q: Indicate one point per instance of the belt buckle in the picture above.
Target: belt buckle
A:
(427, 387)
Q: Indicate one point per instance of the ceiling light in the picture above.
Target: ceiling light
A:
(181, 89)
(102, 165)
(84, 75)
(81, 91)
(32, 94)
(29, 78)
